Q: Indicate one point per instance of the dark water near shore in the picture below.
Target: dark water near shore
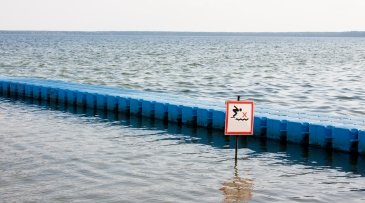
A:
(314, 74)
(63, 154)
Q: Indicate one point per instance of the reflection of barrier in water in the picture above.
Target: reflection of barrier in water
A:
(332, 133)
(237, 189)
(295, 154)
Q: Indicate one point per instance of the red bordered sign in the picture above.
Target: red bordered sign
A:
(239, 118)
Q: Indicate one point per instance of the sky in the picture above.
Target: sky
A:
(184, 15)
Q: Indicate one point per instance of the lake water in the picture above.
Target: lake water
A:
(63, 154)
(318, 75)
(66, 154)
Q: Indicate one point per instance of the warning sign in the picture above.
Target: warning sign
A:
(239, 118)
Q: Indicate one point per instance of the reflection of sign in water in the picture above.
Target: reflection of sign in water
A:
(239, 118)
(237, 190)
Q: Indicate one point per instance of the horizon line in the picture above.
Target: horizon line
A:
(169, 31)
(357, 34)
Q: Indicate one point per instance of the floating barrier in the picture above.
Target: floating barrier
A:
(335, 133)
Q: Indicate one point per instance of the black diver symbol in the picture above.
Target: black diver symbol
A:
(235, 110)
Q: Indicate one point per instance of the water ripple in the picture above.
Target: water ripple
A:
(307, 74)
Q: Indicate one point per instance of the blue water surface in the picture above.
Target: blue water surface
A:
(304, 74)
(51, 153)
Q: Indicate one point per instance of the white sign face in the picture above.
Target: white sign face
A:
(239, 118)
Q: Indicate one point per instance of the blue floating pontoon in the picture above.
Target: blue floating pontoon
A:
(336, 133)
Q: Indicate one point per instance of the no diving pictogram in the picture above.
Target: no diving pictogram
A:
(239, 117)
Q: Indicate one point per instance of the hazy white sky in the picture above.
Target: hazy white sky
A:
(183, 15)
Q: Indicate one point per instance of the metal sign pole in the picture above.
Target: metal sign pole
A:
(235, 153)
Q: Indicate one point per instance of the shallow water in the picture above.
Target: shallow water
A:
(63, 154)
(319, 75)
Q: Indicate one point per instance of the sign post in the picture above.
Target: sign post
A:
(239, 119)
(236, 149)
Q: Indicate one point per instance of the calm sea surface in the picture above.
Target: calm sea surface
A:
(319, 75)
(58, 154)
(62, 154)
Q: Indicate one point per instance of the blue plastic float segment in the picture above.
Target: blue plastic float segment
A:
(135, 106)
(28, 90)
(36, 92)
(148, 108)
(343, 139)
(276, 128)
(319, 135)
(204, 117)
(111, 103)
(80, 99)
(1, 87)
(71, 97)
(174, 113)
(338, 137)
(53, 94)
(61, 96)
(21, 89)
(297, 132)
(259, 126)
(100, 101)
(12, 89)
(45, 93)
(5, 87)
(283, 129)
(123, 104)
(361, 144)
(90, 100)
(188, 115)
(161, 111)
(218, 119)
